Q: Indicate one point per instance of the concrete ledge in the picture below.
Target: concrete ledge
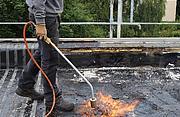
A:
(107, 42)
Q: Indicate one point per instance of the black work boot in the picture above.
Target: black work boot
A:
(29, 92)
(60, 104)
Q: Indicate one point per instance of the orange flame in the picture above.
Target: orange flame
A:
(107, 107)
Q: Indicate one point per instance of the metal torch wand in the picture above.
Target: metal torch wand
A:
(93, 99)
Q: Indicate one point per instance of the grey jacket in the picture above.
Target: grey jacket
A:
(43, 8)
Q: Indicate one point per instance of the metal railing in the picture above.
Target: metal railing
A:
(101, 23)
(81, 23)
(88, 23)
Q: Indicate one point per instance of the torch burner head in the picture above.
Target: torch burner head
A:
(93, 102)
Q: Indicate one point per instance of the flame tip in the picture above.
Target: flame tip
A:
(107, 107)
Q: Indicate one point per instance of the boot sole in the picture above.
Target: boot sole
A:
(61, 109)
(26, 95)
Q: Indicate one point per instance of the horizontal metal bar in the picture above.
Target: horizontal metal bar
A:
(13, 22)
(66, 23)
(100, 23)
(87, 23)
(16, 39)
(97, 23)
(148, 23)
(76, 23)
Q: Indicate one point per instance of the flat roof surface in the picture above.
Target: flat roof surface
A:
(156, 88)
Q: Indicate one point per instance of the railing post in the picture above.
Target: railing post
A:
(141, 1)
(120, 5)
(131, 14)
(111, 18)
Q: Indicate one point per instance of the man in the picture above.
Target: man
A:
(45, 14)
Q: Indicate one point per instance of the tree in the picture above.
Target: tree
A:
(149, 11)
(12, 11)
(178, 9)
(76, 11)
(87, 11)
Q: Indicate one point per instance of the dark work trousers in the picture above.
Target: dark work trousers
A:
(46, 56)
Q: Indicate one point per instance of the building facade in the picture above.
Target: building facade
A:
(170, 13)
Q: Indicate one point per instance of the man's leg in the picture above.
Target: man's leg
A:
(49, 58)
(49, 64)
(28, 79)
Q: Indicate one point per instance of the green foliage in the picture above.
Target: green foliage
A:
(149, 11)
(12, 11)
(169, 30)
(98, 10)
(178, 10)
(79, 11)
(92, 11)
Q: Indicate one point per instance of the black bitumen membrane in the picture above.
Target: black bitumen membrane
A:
(156, 88)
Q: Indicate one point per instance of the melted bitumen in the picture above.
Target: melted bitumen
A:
(156, 88)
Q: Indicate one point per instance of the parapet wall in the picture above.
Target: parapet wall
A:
(108, 53)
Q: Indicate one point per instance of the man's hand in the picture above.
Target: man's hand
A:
(59, 15)
(41, 31)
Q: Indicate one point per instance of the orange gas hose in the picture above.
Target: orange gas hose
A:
(24, 31)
